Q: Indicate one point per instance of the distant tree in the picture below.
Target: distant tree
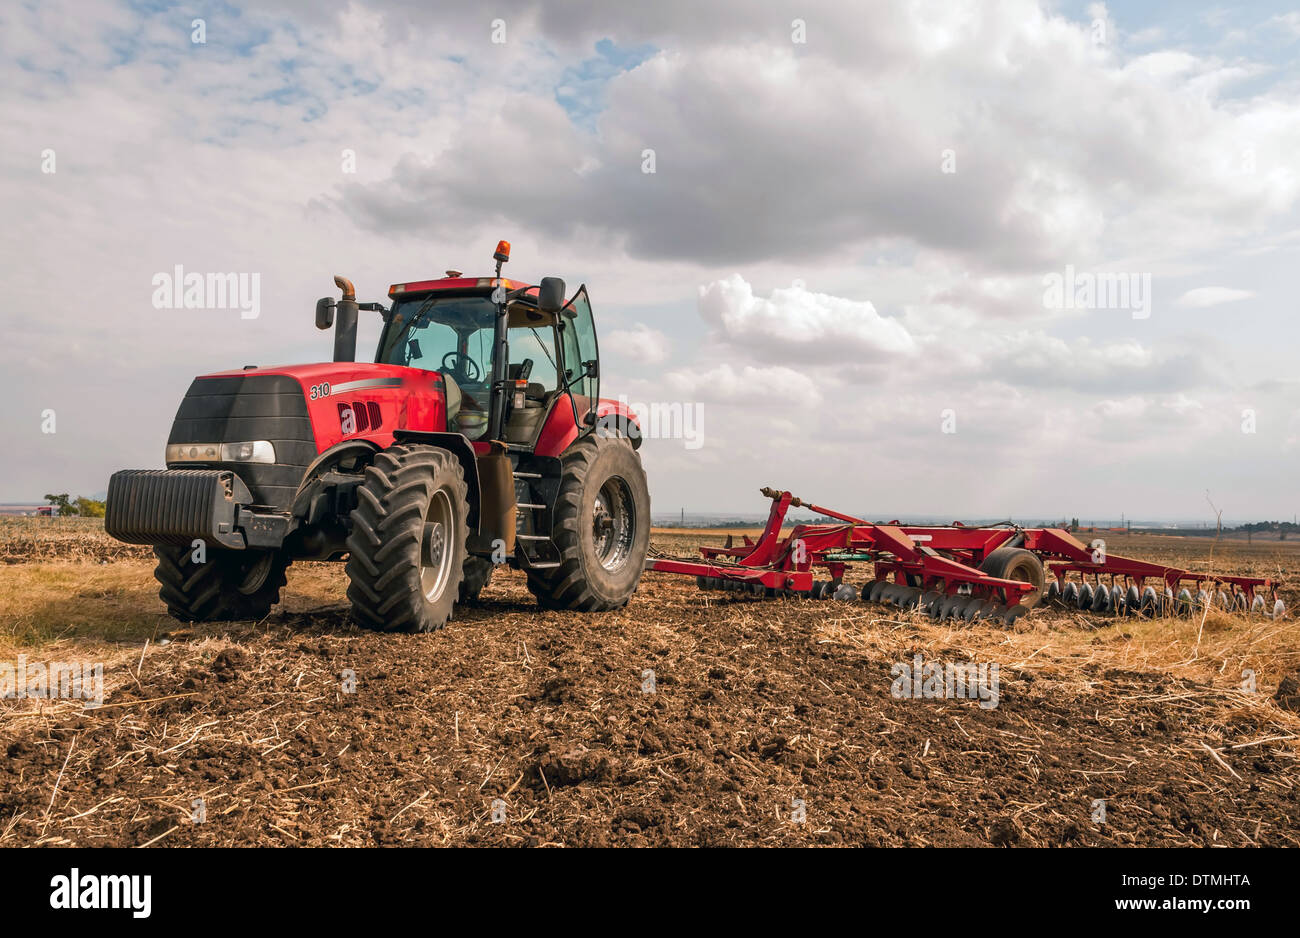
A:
(61, 504)
(88, 507)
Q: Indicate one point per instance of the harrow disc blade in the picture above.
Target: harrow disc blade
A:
(1202, 599)
(845, 593)
(877, 588)
(907, 597)
(1150, 604)
(1279, 609)
(1070, 594)
(951, 606)
(1085, 596)
(1184, 605)
(1101, 599)
(1257, 605)
(1013, 613)
(1132, 601)
(1053, 593)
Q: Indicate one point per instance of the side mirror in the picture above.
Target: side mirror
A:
(325, 312)
(591, 369)
(550, 295)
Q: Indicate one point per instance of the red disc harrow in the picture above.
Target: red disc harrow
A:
(960, 572)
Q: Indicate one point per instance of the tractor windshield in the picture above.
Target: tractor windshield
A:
(451, 335)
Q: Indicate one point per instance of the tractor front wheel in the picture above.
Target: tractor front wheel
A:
(406, 552)
(224, 585)
(602, 527)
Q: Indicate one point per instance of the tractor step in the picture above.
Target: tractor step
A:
(528, 475)
(526, 505)
(531, 537)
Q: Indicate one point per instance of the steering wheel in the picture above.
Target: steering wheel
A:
(463, 368)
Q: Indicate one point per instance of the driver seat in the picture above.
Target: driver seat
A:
(454, 398)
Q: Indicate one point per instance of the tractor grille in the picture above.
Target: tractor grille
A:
(240, 408)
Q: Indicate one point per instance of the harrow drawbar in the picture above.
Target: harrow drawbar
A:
(960, 572)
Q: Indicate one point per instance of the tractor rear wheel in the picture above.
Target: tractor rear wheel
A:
(406, 552)
(601, 526)
(229, 584)
(1016, 563)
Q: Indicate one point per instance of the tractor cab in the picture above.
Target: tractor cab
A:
(450, 327)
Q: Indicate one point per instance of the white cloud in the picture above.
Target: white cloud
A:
(640, 343)
(796, 323)
(749, 385)
(1213, 296)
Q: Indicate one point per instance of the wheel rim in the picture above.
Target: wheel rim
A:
(435, 547)
(613, 525)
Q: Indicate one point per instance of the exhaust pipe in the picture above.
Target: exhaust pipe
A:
(345, 324)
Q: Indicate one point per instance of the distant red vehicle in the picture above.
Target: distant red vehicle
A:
(45, 511)
(477, 435)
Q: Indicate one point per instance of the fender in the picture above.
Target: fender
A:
(302, 500)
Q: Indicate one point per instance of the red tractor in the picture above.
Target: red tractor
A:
(477, 436)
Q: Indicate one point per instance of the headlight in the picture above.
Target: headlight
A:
(257, 451)
(254, 451)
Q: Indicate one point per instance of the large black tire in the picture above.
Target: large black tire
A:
(406, 552)
(599, 570)
(1016, 563)
(231, 584)
(478, 574)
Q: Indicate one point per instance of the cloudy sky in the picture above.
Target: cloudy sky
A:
(842, 263)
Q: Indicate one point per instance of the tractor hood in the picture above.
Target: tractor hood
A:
(277, 420)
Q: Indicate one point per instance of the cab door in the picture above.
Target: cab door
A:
(581, 355)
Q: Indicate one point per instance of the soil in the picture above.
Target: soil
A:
(686, 719)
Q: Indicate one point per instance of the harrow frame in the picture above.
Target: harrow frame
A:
(943, 559)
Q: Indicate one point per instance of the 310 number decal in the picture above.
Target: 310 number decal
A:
(320, 390)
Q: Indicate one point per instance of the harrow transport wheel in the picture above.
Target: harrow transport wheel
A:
(602, 528)
(406, 552)
(1016, 563)
(478, 574)
(231, 584)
